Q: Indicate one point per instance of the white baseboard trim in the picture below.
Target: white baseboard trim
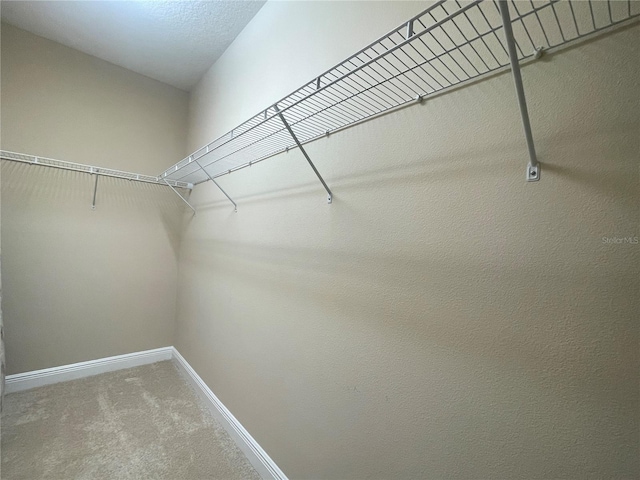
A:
(260, 460)
(74, 371)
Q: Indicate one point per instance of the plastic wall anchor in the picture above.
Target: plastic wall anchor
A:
(533, 173)
(329, 199)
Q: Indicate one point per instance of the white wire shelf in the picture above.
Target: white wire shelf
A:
(99, 171)
(448, 45)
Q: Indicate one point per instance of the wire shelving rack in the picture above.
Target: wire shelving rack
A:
(93, 170)
(449, 44)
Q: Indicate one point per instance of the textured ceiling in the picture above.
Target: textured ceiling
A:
(172, 41)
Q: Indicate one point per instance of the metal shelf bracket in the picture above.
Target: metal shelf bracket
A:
(533, 168)
(304, 152)
(181, 197)
(235, 207)
(95, 191)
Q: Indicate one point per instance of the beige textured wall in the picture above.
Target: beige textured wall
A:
(82, 284)
(442, 318)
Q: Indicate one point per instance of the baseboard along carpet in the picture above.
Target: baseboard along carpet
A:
(143, 422)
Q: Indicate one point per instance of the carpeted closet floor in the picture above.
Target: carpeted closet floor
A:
(142, 423)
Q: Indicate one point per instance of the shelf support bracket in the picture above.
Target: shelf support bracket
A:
(295, 139)
(95, 192)
(533, 169)
(235, 207)
(181, 197)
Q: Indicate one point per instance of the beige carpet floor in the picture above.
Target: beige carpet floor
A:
(141, 423)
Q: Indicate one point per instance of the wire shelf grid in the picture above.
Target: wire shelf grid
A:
(445, 46)
(79, 167)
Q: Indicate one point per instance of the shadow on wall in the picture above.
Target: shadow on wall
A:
(491, 313)
(73, 191)
(487, 281)
(468, 162)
